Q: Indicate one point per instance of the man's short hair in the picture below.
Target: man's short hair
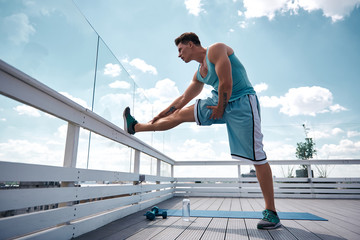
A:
(187, 37)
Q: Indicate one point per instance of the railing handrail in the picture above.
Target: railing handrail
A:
(21, 87)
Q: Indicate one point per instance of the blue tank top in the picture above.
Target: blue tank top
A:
(241, 85)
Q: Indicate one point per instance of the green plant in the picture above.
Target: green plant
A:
(305, 150)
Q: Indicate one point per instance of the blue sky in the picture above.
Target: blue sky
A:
(302, 57)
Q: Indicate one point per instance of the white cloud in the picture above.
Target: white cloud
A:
(61, 132)
(261, 8)
(261, 87)
(325, 133)
(334, 9)
(18, 28)
(26, 151)
(143, 66)
(303, 101)
(337, 108)
(345, 149)
(112, 69)
(165, 90)
(270, 102)
(27, 110)
(351, 134)
(277, 150)
(194, 7)
(120, 84)
(3, 119)
(75, 99)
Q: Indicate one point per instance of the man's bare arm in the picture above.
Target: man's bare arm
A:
(191, 92)
(219, 56)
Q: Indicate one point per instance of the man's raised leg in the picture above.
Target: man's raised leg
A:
(165, 123)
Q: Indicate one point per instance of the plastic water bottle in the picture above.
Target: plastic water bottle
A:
(186, 210)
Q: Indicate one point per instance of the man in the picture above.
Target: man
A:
(233, 103)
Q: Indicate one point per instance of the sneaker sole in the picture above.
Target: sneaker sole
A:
(125, 122)
(273, 227)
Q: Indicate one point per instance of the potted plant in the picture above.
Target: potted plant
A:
(305, 150)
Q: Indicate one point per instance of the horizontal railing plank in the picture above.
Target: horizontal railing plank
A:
(27, 223)
(10, 171)
(23, 198)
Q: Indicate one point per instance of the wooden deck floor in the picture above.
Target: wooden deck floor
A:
(342, 215)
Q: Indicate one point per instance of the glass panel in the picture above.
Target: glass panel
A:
(29, 135)
(114, 88)
(106, 154)
(50, 41)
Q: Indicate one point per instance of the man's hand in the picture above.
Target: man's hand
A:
(217, 112)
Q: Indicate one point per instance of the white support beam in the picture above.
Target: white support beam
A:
(158, 167)
(137, 162)
(71, 145)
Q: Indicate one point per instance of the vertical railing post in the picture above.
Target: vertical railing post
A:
(158, 169)
(137, 164)
(239, 178)
(172, 176)
(71, 145)
(70, 156)
(310, 179)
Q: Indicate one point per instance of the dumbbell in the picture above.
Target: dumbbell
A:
(155, 212)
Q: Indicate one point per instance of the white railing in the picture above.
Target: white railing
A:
(308, 187)
(77, 208)
(80, 200)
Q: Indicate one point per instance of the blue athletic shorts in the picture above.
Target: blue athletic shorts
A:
(242, 119)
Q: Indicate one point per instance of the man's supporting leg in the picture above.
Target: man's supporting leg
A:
(171, 121)
(264, 175)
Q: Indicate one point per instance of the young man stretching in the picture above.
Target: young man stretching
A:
(233, 103)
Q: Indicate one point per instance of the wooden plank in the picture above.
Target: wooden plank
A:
(10, 171)
(347, 223)
(100, 220)
(105, 191)
(150, 187)
(27, 223)
(347, 230)
(22, 198)
(89, 224)
(253, 232)
(152, 178)
(101, 175)
(172, 231)
(189, 180)
(216, 204)
(319, 230)
(60, 232)
(195, 230)
(206, 185)
(216, 229)
(236, 230)
(87, 209)
(147, 196)
(298, 230)
(148, 231)
(281, 233)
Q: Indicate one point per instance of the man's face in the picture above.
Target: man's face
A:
(184, 51)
